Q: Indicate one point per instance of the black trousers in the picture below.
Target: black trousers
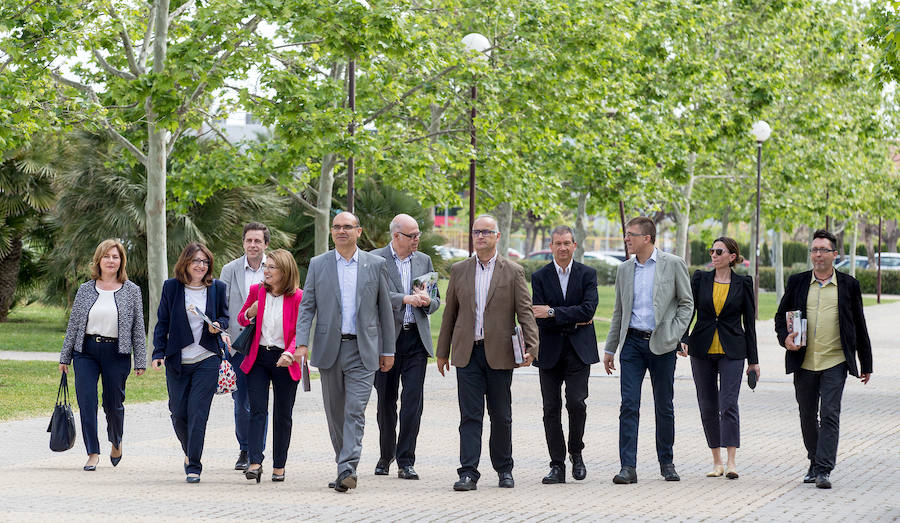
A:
(410, 360)
(819, 396)
(101, 361)
(574, 373)
(284, 391)
(476, 382)
(190, 397)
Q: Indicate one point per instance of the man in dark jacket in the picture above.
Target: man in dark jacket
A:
(565, 298)
(836, 335)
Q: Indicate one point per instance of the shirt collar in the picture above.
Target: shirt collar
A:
(396, 256)
(489, 264)
(830, 281)
(247, 264)
(652, 257)
(568, 268)
(354, 258)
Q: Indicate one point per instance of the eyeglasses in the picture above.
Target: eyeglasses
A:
(821, 250)
(563, 244)
(271, 267)
(717, 251)
(482, 232)
(634, 234)
(345, 228)
(413, 236)
(199, 261)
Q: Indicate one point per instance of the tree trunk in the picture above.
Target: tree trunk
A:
(870, 243)
(751, 250)
(580, 234)
(9, 275)
(890, 236)
(323, 204)
(504, 223)
(724, 221)
(683, 211)
(777, 246)
(155, 206)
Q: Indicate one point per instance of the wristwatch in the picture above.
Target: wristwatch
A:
(550, 312)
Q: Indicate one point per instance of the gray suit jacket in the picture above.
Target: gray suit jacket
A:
(233, 277)
(673, 304)
(322, 301)
(419, 265)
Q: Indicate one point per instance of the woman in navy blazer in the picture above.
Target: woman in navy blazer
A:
(718, 347)
(190, 350)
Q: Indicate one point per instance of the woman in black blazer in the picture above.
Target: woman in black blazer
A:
(190, 350)
(718, 347)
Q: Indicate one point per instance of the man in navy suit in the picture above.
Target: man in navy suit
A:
(565, 298)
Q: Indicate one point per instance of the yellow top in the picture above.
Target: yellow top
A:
(720, 292)
(823, 349)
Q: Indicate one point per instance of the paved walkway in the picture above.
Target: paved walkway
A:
(38, 485)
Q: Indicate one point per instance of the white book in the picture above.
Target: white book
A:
(796, 323)
(518, 345)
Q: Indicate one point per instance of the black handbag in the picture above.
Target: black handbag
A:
(62, 422)
(245, 339)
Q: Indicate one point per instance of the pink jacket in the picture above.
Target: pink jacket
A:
(289, 314)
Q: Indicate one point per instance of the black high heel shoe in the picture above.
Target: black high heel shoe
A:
(115, 460)
(252, 474)
(277, 477)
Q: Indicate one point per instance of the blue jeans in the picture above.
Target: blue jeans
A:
(190, 397)
(242, 406)
(101, 361)
(635, 360)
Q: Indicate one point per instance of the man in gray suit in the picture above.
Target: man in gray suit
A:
(654, 305)
(239, 274)
(347, 292)
(413, 348)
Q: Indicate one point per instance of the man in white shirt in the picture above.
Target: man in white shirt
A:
(239, 275)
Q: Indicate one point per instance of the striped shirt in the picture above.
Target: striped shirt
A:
(346, 271)
(483, 274)
(404, 266)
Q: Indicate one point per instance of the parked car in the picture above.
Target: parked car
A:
(542, 254)
(606, 258)
(890, 261)
(448, 252)
(513, 254)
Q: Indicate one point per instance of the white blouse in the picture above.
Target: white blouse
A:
(103, 318)
(272, 331)
(195, 352)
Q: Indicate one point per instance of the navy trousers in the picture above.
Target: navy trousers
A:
(635, 360)
(101, 361)
(190, 397)
(718, 383)
(284, 391)
(475, 383)
(242, 405)
(410, 360)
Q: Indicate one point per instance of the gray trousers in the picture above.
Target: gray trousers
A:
(346, 388)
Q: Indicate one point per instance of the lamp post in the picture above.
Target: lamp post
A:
(761, 132)
(479, 43)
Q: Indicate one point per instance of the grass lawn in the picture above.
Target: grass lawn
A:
(35, 328)
(28, 388)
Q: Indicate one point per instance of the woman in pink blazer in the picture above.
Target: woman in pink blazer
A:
(274, 305)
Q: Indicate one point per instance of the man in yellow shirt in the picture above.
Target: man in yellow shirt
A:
(836, 335)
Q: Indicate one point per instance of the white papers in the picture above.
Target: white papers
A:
(518, 345)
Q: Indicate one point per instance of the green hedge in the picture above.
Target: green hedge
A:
(793, 252)
(890, 280)
(606, 274)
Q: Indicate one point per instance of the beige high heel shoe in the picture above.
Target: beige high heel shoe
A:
(716, 472)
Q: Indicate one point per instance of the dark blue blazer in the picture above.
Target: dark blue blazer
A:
(578, 306)
(173, 332)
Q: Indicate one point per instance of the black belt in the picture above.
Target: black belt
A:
(479, 343)
(644, 335)
(271, 347)
(347, 337)
(101, 339)
(408, 326)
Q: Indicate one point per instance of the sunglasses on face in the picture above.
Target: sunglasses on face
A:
(718, 252)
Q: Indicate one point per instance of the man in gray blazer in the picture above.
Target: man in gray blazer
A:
(239, 274)
(347, 293)
(654, 305)
(413, 348)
